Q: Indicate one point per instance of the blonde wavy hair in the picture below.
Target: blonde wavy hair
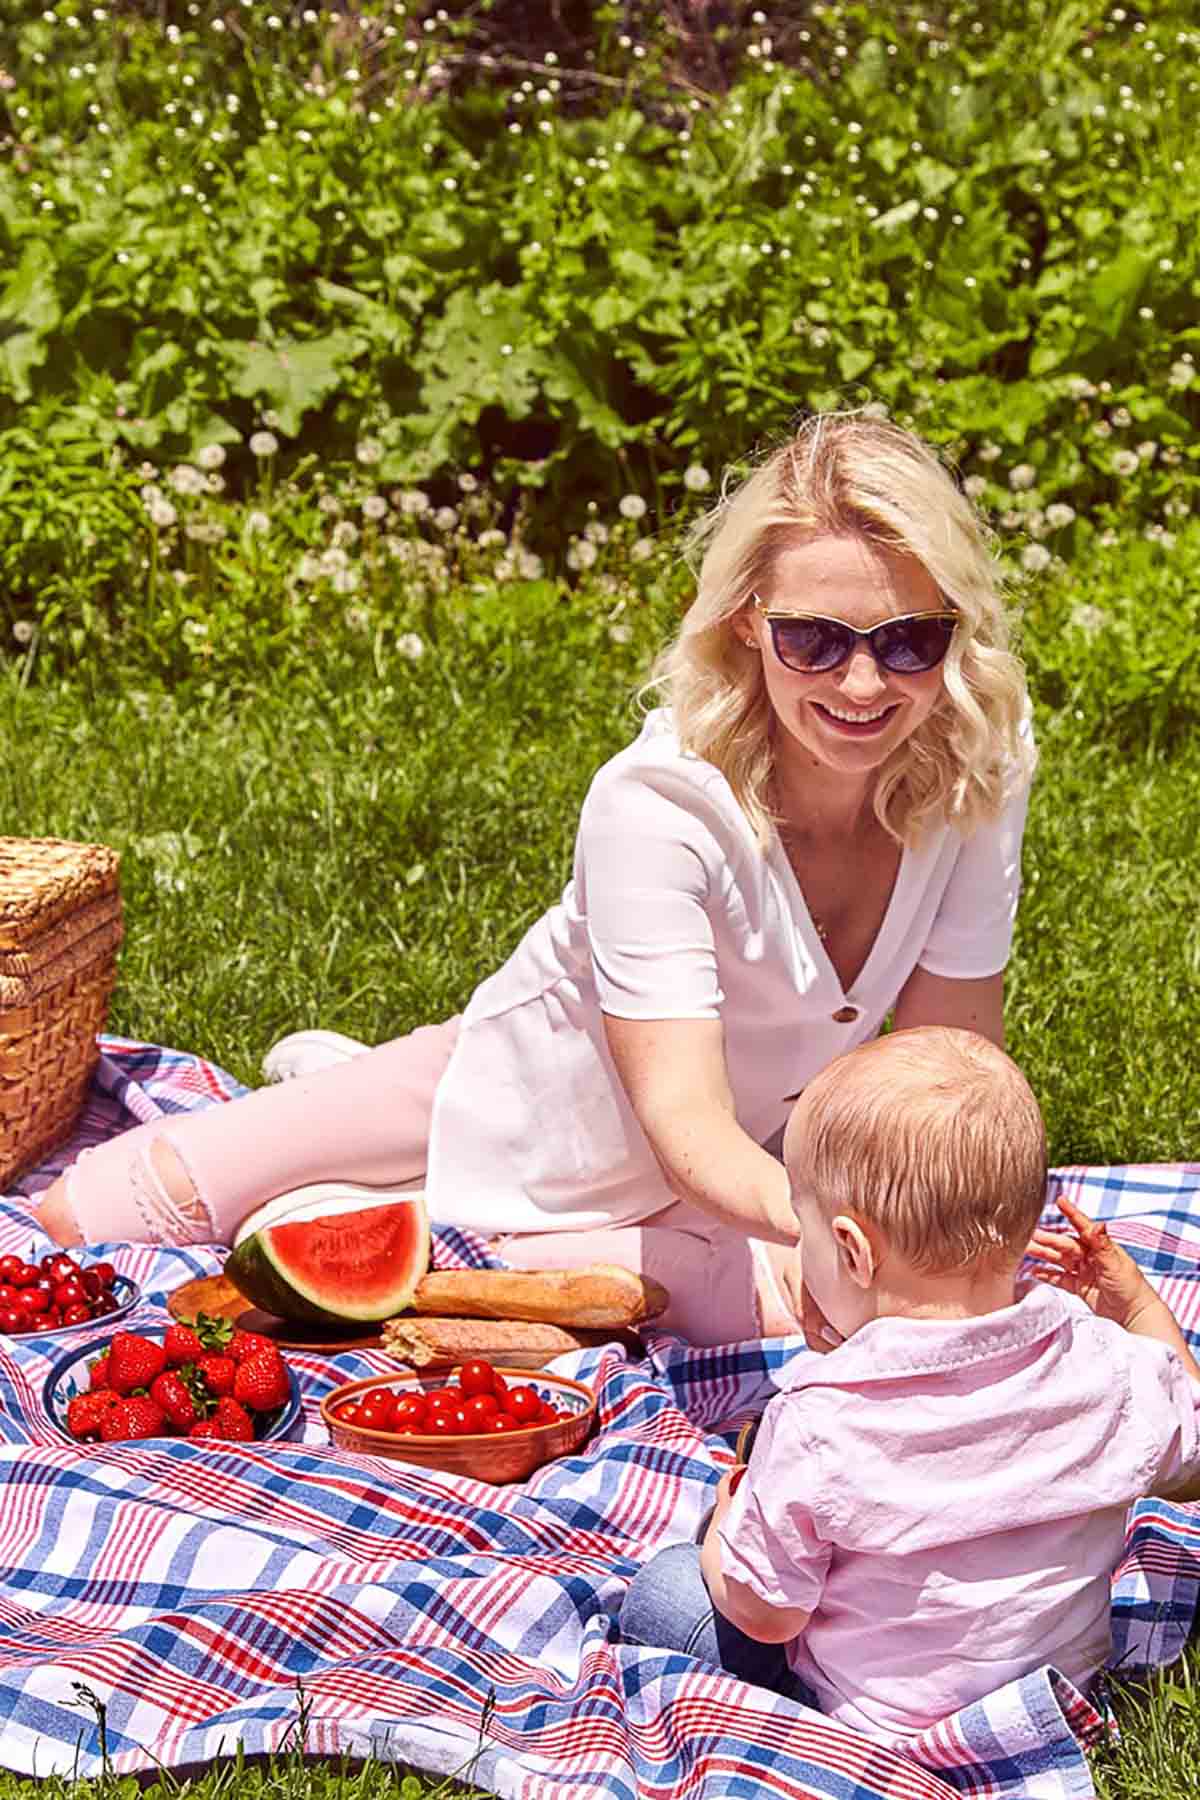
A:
(850, 473)
(934, 1135)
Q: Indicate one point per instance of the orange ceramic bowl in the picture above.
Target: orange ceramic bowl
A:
(481, 1456)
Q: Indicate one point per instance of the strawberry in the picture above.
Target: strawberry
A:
(218, 1373)
(261, 1382)
(204, 1428)
(248, 1343)
(86, 1412)
(133, 1362)
(181, 1345)
(136, 1417)
(233, 1421)
(98, 1372)
(171, 1391)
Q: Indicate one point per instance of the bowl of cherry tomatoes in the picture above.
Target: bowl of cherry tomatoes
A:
(60, 1293)
(474, 1421)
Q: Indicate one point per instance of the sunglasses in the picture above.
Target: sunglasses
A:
(811, 644)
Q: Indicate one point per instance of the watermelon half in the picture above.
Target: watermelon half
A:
(332, 1256)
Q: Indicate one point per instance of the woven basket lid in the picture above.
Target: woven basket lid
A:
(44, 879)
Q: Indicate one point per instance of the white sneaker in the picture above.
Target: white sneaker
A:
(308, 1052)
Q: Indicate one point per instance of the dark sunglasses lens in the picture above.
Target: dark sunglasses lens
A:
(811, 645)
(911, 646)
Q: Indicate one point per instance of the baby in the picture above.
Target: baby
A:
(935, 1506)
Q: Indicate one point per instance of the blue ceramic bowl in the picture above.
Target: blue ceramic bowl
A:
(70, 1376)
(125, 1292)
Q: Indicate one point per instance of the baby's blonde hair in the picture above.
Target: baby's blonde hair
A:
(933, 1135)
(850, 473)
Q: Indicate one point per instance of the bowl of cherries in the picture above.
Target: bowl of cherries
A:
(475, 1421)
(58, 1293)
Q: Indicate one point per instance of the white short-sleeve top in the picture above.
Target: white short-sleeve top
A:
(675, 912)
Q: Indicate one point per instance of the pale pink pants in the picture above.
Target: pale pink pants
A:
(367, 1121)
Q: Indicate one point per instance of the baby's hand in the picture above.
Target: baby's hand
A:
(1088, 1263)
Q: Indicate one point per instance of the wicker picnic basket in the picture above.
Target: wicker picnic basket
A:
(60, 925)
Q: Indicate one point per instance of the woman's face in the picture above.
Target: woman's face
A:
(852, 718)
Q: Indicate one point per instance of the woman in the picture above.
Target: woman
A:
(823, 827)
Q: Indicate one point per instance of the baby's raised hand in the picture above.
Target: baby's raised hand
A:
(1086, 1261)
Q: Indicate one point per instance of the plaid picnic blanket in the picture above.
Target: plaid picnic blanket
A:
(164, 1602)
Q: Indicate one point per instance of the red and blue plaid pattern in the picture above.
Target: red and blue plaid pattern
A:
(207, 1596)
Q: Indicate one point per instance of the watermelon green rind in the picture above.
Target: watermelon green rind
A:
(350, 1266)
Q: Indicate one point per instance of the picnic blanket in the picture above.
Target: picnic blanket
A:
(163, 1602)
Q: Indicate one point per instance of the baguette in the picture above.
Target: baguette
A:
(508, 1343)
(600, 1297)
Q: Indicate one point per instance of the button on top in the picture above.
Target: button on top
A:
(845, 1015)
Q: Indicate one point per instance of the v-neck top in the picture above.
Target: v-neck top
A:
(675, 911)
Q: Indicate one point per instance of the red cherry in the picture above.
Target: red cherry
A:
(9, 1266)
(69, 1293)
(91, 1283)
(104, 1305)
(79, 1314)
(524, 1405)
(503, 1422)
(477, 1377)
(34, 1300)
(13, 1318)
(104, 1273)
(24, 1275)
(46, 1321)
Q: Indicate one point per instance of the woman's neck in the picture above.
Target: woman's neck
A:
(819, 803)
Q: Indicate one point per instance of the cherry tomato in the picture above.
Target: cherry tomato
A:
(460, 1419)
(443, 1396)
(480, 1409)
(349, 1414)
(379, 1396)
(500, 1388)
(477, 1377)
(374, 1418)
(411, 1410)
(440, 1423)
(548, 1413)
(524, 1405)
(503, 1422)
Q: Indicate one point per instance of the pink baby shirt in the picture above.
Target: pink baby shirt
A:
(948, 1499)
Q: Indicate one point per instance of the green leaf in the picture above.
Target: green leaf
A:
(896, 216)
(29, 311)
(292, 376)
(852, 361)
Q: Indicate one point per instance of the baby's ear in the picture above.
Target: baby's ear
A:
(856, 1249)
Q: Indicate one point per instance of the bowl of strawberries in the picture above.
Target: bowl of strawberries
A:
(59, 1293)
(197, 1379)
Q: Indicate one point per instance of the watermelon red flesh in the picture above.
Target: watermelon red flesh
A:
(345, 1268)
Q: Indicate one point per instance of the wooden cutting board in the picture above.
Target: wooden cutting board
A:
(217, 1296)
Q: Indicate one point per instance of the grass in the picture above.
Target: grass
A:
(360, 852)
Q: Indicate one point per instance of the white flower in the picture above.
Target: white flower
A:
(531, 567)
(344, 533)
(1080, 388)
(263, 443)
(445, 518)
(368, 452)
(205, 531)
(1035, 558)
(24, 631)
(186, 480)
(974, 487)
(308, 569)
(595, 533)
(344, 580)
(374, 507)
(412, 502)
(875, 409)
(1102, 428)
(162, 513)
(212, 456)
(581, 554)
(988, 452)
(1088, 619)
(358, 618)
(258, 523)
(1122, 417)
(490, 540)
(1023, 476)
(411, 646)
(632, 506)
(1125, 462)
(620, 634)
(334, 560)
(329, 504)
(467, 484)
(1059, 515)
(696, 478)
(1148, 450)
(1180, 375)
(642, 550)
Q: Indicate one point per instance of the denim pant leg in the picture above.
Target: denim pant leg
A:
(668, 1608)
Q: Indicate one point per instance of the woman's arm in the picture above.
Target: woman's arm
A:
(674, 1073)
(978, 1005)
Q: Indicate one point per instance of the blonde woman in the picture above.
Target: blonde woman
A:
(821, 827)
